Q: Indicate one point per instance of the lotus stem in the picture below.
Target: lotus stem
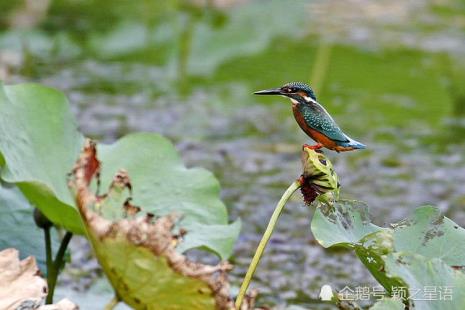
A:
(266, 237)
(53, 267)
(49, 261)
(59, 261)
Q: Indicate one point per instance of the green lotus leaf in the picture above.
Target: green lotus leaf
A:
(39, 142)
(432, 235)
(348, 224)
(343, 224)
(431, 283)
(417, 254)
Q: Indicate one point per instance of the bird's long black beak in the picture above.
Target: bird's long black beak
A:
(272, 91)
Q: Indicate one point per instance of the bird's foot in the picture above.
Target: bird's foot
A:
(315, 147)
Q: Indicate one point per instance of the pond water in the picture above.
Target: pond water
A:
(391, 74)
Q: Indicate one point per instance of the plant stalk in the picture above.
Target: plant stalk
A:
(59, 261)
(49, 262)
(53, 267)
(266, 237)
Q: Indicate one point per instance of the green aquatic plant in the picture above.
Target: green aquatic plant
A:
(423, 252)
(318, 178)
(138, 251)
(39, 144)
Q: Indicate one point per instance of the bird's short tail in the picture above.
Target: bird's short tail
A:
(355, 144)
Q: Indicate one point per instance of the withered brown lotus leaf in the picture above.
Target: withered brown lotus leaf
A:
(137, 250)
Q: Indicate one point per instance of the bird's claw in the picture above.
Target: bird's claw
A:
(315, 147)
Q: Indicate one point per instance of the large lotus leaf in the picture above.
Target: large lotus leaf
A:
(431, 283)
(17, 227)
(40, 143)
(138, 253)
(414, 255)
(163, 185)
(343, 224)
(426, 233)
(348, 224)
(432, 235)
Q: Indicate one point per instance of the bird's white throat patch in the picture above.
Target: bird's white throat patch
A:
(310, 99)
(307, 99)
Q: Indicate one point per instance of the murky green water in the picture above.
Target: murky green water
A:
(391, 74)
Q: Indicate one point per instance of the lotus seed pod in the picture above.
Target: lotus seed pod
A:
(318, 178)
(41, 220)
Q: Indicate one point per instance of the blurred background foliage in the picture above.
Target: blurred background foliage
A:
(392, 73)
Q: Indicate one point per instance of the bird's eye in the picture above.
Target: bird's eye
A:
(292, 90)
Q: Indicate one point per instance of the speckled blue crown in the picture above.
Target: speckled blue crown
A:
(302, 86)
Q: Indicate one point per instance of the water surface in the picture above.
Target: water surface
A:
(389, 73)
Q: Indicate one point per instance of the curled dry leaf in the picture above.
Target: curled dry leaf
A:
(21, 285)
(138, 251)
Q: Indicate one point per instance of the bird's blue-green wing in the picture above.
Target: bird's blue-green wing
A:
(317, 118)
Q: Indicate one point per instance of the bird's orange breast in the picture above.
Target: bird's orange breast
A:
(321, 138)
(315, 134)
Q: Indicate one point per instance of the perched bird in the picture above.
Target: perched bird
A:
(314, 120)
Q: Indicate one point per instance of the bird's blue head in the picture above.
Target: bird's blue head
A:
(295, 90)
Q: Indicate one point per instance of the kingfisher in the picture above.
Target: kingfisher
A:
(313, 118)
